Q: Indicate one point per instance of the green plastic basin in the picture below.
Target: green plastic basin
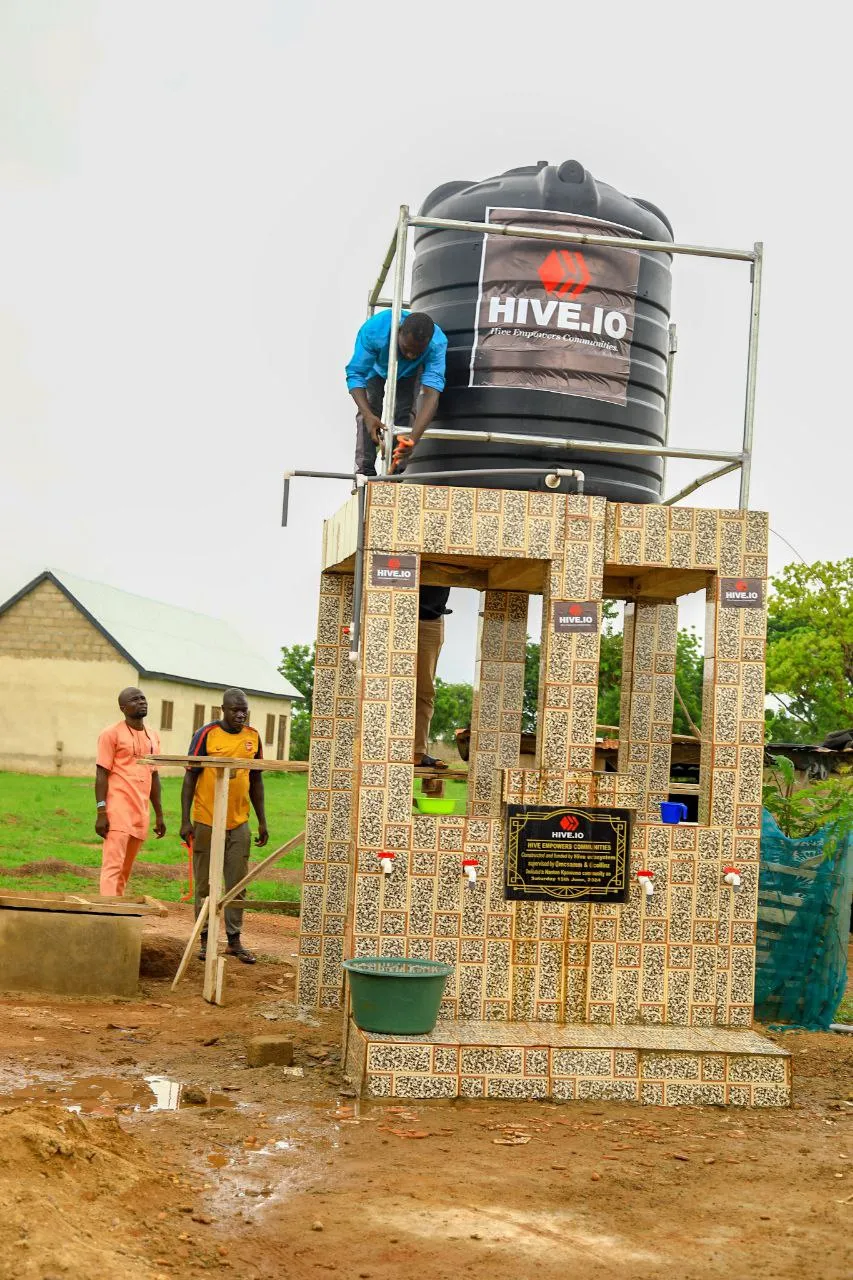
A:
(396, 996)
(435, 804)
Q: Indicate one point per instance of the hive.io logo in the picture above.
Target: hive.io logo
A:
(564, 273)
(569, 822)
(742, 593)
(576, 616)
(393, 570)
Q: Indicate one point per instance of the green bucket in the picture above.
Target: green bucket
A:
(396, 996)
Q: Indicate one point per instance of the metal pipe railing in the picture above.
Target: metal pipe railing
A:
(751, 375)
(697, 484)
(588, 446)
(670, 378)
(480, 472)
(584, 237)
(389, 402)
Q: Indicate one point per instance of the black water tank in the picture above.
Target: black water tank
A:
(445, 284)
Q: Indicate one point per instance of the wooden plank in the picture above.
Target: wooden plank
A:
(460, 775)
(201, 919)
(519, 575)
(110, 907)
(155, 905)
(220, 762)
(340, 535)
(625, 582)
(217, 863)
(283, 906)
(220, 979)
(259, 867)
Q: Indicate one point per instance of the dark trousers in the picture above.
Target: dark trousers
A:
(408, 390)
(238, 842)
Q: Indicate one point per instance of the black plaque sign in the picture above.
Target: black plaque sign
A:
(567, 854)
(393, 570)
(578, 616)
(742, 593)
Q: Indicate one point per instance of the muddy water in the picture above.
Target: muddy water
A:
(94, 1095)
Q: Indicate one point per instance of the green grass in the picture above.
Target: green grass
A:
(844, 1013)
(52, 820)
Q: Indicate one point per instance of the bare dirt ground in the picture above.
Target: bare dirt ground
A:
(277, 1175)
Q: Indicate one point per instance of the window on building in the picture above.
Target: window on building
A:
(216, 713)
(167, 710)
(269, 736)
(198, 716)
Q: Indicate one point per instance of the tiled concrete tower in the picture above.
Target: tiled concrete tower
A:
(650, 999)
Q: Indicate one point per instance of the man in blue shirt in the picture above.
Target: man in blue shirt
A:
(421, 352)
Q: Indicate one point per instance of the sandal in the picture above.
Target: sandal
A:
(430, 762)
(236, 948)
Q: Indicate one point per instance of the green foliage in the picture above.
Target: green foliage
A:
(297, 666)
(810, 650)
(609, 674)
(802, 812)
(452, 709)
(530, 702)
(300, 734)
(689, 666)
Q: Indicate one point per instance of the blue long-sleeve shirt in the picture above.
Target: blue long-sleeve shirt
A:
(370, 357)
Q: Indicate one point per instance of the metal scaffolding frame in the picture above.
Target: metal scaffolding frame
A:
(742, 460)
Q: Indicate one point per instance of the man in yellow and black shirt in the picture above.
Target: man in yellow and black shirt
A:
(232, 737)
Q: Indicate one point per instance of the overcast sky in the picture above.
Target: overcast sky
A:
(196, 194)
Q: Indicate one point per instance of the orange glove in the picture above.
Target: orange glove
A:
(404, 445)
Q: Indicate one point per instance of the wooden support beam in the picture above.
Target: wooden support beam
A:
(623, 582)
(220, 762)
(284, 906)
(70, 903)
(258, 868)
(518, 575)
(215, 874)
(201, 920)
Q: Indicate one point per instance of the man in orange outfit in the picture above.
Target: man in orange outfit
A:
(123, 788)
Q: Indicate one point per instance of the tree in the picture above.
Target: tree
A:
(297, 666)
(810, 651)
(452, 709)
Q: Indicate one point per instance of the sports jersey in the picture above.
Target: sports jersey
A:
(215, 740)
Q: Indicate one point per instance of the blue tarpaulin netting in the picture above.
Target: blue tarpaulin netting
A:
(803, 928)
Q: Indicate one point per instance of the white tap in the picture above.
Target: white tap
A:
(647, 879)
(386, 861)
(732, 876)
(469, 869)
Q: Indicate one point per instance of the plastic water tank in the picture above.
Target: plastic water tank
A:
(445, 284)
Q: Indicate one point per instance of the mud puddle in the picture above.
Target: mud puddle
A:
(104, 1095)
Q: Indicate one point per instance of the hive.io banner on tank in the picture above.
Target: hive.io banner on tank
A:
(555, 317)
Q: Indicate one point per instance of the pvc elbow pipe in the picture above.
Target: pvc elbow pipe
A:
(469, 869)
(732, 876)
(386, 861)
